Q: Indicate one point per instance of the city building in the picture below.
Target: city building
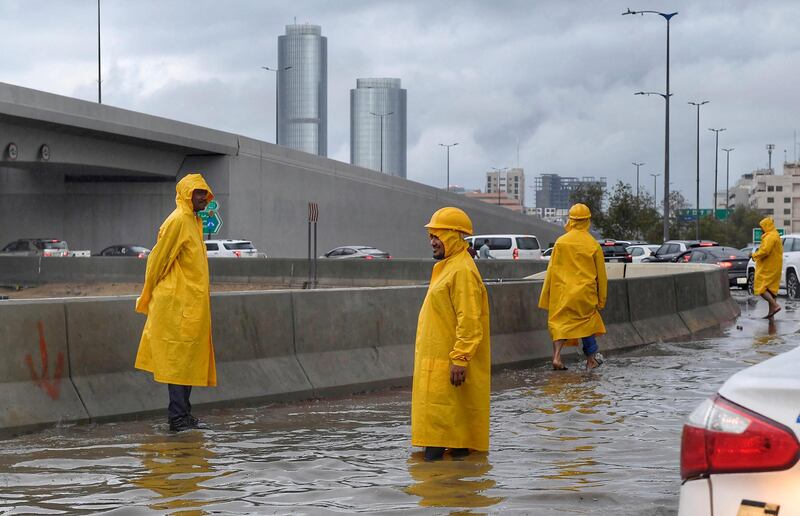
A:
(553, 194)
(510, 181)
(777, 195)
(501, 199)
(303, 89)
(378, 125)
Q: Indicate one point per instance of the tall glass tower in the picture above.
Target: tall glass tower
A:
(303, 89)
(378, 125)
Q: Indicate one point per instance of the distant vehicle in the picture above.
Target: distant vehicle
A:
(615, 250)
(356, 251)
(509, 247)
(670, 249)
(130, 251)
(729, 258)
(230, 248)
(639, 252)
(36, 247)
(791, 267)
(739, 448)
(547, 253)
(749, 250)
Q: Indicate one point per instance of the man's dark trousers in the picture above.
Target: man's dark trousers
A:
(179, 405)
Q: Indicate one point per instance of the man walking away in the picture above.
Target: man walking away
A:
(176, 342)
(575, 289)
(484, 252)
(769, 264)
(452, 359)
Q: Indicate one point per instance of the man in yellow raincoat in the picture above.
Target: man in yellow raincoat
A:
(176, 342)
(575, 289)
(769, 265)
(452, 359)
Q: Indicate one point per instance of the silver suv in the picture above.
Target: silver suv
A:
(36, 247)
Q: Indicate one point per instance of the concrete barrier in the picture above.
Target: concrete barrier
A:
(283, 345)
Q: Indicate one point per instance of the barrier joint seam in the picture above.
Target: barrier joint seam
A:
(69, 361)
(294, 347)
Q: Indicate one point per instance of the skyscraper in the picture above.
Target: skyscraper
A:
(303, 89)
(378, 125)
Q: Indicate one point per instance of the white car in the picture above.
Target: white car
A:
(740, 449)
(790, 275)
(356, 251)
(640, 252)
(547, 253)
(508, 247)
(230, 249)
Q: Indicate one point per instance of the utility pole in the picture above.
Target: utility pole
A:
(727, 178)
(448, 145)
(716, 161)
(637, 165)
(655, 192)
(697, 192)
(770, 147)
(381, 117)
(99, 78)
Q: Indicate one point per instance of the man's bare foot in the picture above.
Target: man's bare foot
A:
(559, 367)
(594, 361)
(773, 311)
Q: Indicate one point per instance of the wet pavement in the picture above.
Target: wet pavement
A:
(570, 442)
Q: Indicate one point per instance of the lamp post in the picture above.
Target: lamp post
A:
(448, 145)
(498, 170)
(727, 178)
(655, 192)
(716, 161)
(697, 199)
(667, 17)
(277, 85)
(637, 165)
(381, 115)
(99, 78)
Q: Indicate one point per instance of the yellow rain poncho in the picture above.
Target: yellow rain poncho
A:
(769, 259)
(453, 328)
(576, 285)
(176, 342)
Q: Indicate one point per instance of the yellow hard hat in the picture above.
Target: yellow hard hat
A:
(579, 212)
(450, 218)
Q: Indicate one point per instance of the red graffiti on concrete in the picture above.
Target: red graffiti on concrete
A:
(51, 387)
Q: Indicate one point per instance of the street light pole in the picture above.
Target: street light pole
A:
(667, 17)
(448, 145)
(277, 85)
(716, 161)
(637, 165)
(697, 201)
(727, 178)
(498, 170)
(655, 192)
(99, 78)
(381, 117)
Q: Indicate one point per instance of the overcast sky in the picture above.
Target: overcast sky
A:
(550, 81)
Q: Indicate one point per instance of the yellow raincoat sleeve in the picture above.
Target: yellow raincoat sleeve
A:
(170, 240)
(602, 279)
(764, 250)
(544, 297)
(467, 299)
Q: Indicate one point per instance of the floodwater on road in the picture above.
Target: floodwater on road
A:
(569, 442)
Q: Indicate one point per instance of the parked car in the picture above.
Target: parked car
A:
(36, 247)
(615, 250)
(547, 253)
(791, 267)
(670, 249)
(230, 248)
(639, 252)
(749, 250)
(356, 251)
(739, 448)
(509, 247)
(729, 258)
(126, 250)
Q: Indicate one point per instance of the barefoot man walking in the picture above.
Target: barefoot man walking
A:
(769, 264)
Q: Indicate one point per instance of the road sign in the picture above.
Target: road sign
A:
(688, 215)
(758, 233)
(212, 221)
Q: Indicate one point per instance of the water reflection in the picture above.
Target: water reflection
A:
(176, 465)
(574, 392)
(452, 483)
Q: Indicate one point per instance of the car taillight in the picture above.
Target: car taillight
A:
(628, 258)
(140, 255)
(237, 254)
(389, 257)
(47, 253)
(722, 437)
(368, 257)
(516, 254)
(725, 265)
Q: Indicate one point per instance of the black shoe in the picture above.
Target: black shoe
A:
(179, 424)
(459, 452)
(196, 422)
(433, 453)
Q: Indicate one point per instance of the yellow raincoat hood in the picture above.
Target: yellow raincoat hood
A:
(769, 259)
(576, 284)
(176, 342)
(453, 328)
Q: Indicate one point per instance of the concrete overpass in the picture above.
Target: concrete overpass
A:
(96, 175)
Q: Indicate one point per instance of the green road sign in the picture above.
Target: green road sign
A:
(212, 221)
(689, 214)
(758, 233)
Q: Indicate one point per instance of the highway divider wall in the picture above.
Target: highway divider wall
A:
(289, 272)
(72, 359)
